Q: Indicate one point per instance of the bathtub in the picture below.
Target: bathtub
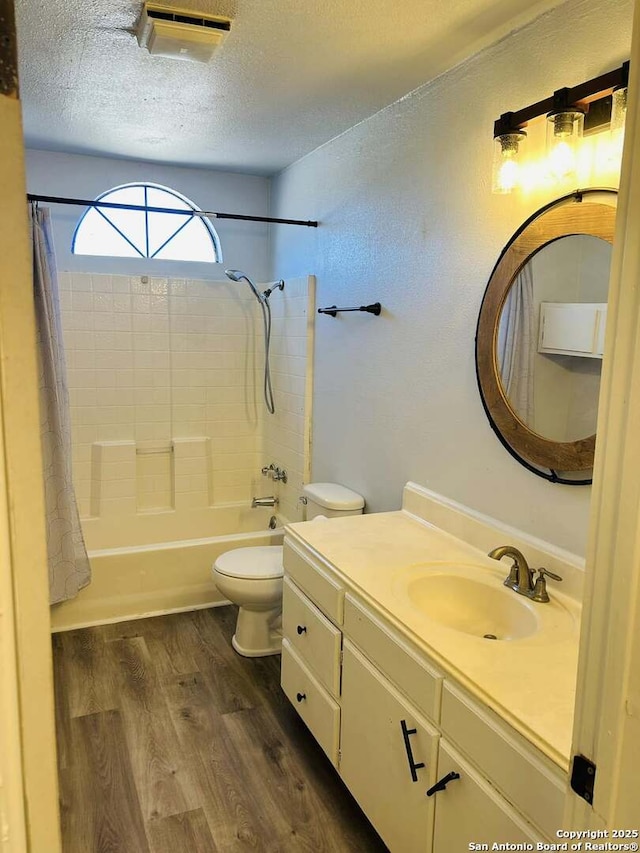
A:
(134, 579)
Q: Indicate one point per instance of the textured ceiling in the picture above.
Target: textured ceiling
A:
(291, 75)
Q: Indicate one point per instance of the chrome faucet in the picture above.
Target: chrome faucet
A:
(520, 578)
(270, 501)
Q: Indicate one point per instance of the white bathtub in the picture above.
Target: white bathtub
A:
(166, 526)
(163, 576)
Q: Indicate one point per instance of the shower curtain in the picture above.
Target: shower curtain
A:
(516, 346)
(69, 569)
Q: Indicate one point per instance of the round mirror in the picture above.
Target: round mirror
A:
(540, 336)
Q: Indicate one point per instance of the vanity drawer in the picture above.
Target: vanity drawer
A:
(312, 635)
(318, 710)
(530, 782)
(388, 651)
(315, 581)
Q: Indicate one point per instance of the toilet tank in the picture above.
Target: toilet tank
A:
(331, 500)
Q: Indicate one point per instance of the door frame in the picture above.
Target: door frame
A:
(30, 804)
(607, 723)
(607, 719)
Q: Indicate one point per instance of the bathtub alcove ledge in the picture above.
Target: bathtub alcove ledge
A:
(393, 689)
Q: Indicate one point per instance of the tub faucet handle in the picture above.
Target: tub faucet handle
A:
(279, 474)
(274, 472)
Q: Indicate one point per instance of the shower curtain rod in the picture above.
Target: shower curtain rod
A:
(209, 214)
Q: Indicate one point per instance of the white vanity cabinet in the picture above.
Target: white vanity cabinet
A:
(388, 755)
(393, 725)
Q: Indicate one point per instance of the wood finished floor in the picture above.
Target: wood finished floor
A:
(169, 741)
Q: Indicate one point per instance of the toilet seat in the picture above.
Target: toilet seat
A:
(261, 562)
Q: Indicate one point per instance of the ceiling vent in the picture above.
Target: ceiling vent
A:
(181, 34)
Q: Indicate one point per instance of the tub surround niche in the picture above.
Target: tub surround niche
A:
(498, 713)
(129, 478)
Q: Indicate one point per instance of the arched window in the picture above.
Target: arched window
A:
(125, 233)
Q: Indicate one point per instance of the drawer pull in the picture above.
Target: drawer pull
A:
(442, 784)
(302, 629)
(413, 766)
(301, 697)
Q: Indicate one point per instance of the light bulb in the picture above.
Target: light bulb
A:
(564, 130)
(562, 159)
(506, 168)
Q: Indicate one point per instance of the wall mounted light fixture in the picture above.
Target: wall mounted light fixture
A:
(508, 143)
(566, 111)
(565, 124)
(618, 118)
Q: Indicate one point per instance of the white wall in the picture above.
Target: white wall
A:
(407, 218)
(245, 245)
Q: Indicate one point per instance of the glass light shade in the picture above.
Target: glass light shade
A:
(618, 109)
(506, 168)
(618, 119)
(564, 132)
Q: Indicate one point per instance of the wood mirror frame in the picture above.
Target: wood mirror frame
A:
(571, 215)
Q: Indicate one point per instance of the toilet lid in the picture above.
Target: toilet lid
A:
(263, 561)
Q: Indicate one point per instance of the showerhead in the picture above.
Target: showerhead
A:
(238, 275)
(279, 285)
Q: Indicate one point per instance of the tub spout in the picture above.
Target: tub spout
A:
(270, 501)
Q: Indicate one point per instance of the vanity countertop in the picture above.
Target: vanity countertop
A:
(529, 682)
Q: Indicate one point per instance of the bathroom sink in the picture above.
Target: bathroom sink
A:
(470, 600)
(476, 607)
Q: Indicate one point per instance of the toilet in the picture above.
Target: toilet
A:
(252, 577)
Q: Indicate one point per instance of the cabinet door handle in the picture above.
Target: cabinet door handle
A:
(413, 766)
(302, 629)
(301, 697)
(442, 784)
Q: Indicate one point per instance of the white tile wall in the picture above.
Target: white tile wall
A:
(165, 380)
(287, 433)
(192, 473)
(153, 362)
